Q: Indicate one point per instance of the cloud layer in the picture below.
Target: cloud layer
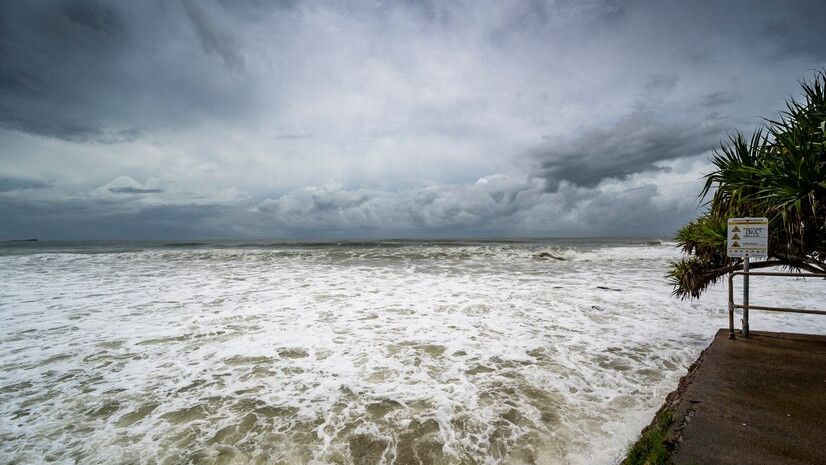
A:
(187, 118)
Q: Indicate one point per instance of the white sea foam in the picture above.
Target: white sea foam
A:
(401, 353)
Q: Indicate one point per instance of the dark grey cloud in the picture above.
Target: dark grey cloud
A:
(716, 99)
(794, 31)
(496, 206)
(635, 143)
(212, 39)
(95, 16)
(304, 119)
(661, 82)
(86, 70)
(133, 190)
(292, 136)
(8, 184)
(42, 46)
(256, 9)
(74, 219)
(493, 206)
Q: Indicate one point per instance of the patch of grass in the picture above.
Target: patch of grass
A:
(651, 447)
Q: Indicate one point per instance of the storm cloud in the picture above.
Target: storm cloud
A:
(296, 119)
(134, 190)
(110, 71)
(212, 39)
(14, 184)
(635, 143)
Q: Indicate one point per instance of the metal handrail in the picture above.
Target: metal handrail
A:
(745, 305)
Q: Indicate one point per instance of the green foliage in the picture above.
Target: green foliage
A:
(703, 236)
(651, 447)
(779, 172)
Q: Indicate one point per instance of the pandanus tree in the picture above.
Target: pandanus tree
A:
(780, 173)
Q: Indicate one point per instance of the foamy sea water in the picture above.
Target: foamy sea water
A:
(395, 352)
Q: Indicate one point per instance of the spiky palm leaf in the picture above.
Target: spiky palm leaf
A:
(779, 172)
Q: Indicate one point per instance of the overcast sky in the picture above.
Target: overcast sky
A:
(289, 119)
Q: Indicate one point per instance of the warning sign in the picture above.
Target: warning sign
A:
(748, 237)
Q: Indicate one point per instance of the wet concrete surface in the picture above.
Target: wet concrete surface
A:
(756, 400)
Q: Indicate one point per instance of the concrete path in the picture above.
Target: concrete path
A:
(760, 400)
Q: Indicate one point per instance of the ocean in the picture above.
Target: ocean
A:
(405, 352)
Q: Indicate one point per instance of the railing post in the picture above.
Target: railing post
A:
(731, 305)
(746, 306)
(746, 296)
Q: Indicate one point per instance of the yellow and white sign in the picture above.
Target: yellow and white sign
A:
(748, 236)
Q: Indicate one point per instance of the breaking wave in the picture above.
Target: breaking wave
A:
(374, 352)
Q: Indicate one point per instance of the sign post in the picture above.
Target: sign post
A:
(747, 237)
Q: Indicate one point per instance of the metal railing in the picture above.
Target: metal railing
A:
(746, 306)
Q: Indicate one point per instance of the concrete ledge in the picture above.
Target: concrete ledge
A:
(757, 400)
